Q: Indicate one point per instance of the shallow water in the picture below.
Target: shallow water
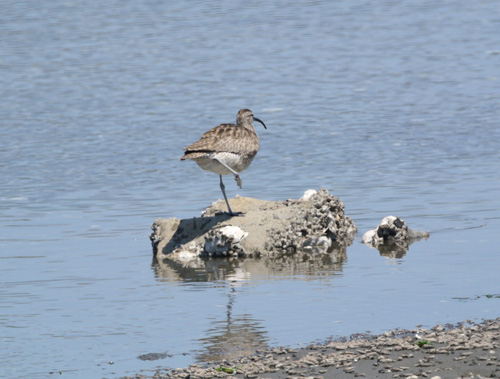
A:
(393, 107)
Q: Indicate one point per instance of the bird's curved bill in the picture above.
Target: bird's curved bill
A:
(256, 119)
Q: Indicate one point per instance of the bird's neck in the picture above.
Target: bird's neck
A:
(248, 126)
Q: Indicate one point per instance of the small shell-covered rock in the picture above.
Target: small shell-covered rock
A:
(392, 236)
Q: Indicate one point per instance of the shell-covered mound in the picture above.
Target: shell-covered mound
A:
(316, 226)
(315, 223)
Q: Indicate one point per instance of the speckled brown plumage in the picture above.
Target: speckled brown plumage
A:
(240, 138)
(229, 138)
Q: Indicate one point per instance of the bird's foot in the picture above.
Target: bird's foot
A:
(238, 180)
(229, 214)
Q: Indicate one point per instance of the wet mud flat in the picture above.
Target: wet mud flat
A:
(465, 350)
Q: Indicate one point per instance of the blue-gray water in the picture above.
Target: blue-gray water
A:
(392, 106)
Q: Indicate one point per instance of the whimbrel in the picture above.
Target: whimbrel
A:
(227, 149)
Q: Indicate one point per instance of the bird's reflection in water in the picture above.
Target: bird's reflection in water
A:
(232, 336)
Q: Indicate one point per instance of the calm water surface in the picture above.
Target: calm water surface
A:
(394, 107)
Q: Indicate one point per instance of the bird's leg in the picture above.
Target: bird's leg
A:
(236, 176)
(223, 188)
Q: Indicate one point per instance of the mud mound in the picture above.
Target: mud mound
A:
(313, 224)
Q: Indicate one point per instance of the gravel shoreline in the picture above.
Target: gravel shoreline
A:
(465, 350)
